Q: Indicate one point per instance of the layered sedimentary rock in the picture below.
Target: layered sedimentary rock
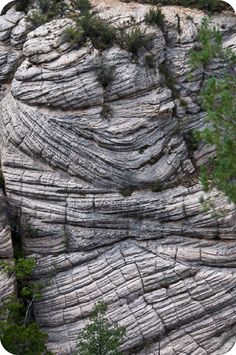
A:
(110, 205)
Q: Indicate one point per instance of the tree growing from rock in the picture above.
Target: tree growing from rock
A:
(98, 337)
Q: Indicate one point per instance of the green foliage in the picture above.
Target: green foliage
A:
(211, 44)
(2, 180)
(73, 35)
(47, 11)
(219, 102)
(36, 18)
(24, 339)
(149, 60)
(156, 186)
(126, 192)
(82, 5)
(98, 337)
(155, 17)
(133, 40)
(191, 141)
(169, 79)
(17, 333)
(22, 267)
(106, 111)
(100, 32)
(22, 5)
(105, 74)
(207, 5)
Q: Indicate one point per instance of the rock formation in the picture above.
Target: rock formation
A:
(110, 205)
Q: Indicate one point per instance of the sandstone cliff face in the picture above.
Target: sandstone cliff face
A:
(164, 265)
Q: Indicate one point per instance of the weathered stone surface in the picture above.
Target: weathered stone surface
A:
(82, 184)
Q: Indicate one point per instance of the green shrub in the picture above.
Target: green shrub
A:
(18, 333)
(105, 74)
(101, 33)
(218, 97)
(149, 60)
(82, 5)
(22, 5)
(106, 111)
(127, 191)
(156, 186)
(207, 5)
(2, 180)
(169, 79)
(36, 18)
(24, 339)
(155, 17)
(98, 337)
(211, 42)
(73, 35)
(133, 40)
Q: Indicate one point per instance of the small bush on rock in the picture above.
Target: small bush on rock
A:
(155, 17)
(105, 74)
(133, 40)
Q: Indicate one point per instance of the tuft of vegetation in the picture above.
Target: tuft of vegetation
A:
(19, 334)
(207, 5)
(126, 192)
(83, 5)
(169, 79)
(105, 74)
(22, 5)
(2, 180)
(149, 60)
(98, 337)
(47, 11)
(106, 111)
(155, 17)
(156, 186)
(211, 45)
(73, 35)
(190, 141)
(100, 32)
(133, 40)
(218, 98)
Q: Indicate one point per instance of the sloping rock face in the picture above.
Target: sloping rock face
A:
(83, 184)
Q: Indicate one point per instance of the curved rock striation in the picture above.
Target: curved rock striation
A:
(110, 204)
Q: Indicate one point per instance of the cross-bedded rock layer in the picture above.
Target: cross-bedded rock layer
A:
(82, 184)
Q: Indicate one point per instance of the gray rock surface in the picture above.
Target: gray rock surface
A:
(82, 184)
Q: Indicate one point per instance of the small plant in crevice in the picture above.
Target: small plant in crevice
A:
(191, 141)
(126, 192)
(106, 111)
(73, 35)
(133, 40)
(156, 186)
(105, 74)
(2, 180)
(100, 32)
(36, 18)
(183, 102)
(168, 78)
(46, 11)
(155, 17)
(149, 60)
(142, 149)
